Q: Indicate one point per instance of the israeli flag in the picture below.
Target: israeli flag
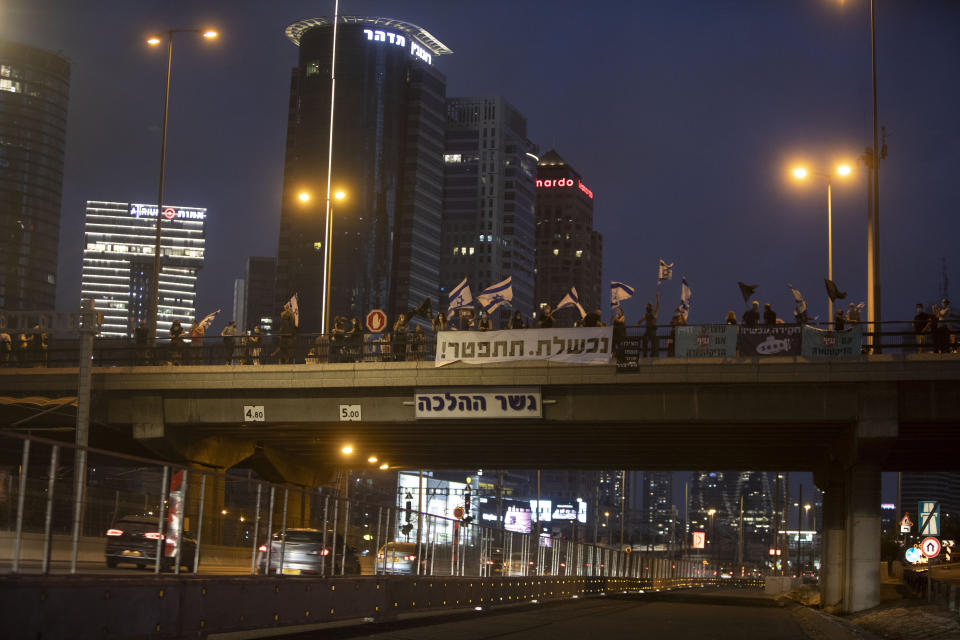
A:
(619, 291)
(460, 297)
(685, 296)
(294, 305)
(798, 298)
(572, 300)
(208, 319)
(665, 271)
(496, 295)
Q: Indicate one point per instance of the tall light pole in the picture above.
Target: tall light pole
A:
(873, 223)
(305, 196)
(843, 170)
(328, 226)
(153, 41)
(711, 513)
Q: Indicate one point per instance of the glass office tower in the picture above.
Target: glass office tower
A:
(387, 158)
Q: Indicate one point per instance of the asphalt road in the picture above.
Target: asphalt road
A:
(682, 618)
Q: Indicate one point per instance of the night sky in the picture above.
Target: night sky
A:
(682, 117)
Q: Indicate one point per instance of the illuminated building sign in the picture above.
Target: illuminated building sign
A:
(563, 183)
(388, 37)
(184, 213)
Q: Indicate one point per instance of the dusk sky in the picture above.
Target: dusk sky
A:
(682, 117)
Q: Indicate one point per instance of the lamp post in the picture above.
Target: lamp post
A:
(806, 513)
(153, 41)
(305, 196)
(711, 513)
(843, 170)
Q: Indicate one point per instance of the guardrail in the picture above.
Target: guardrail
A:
(134, 510)
(632, 348)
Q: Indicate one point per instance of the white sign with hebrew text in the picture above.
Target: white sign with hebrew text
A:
(586, 345)
(473, 403)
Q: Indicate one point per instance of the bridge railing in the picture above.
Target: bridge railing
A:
(632, 347)
(123, 512)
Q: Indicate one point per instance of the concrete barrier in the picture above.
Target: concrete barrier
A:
(776, 585)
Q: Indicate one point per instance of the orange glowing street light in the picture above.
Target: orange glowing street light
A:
(843, 171)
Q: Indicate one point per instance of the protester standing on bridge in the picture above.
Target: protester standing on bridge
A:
(678, 320)
(255, 342)
(921, 325)
(516, 322)
(853, 314)
(839, 322)
(546, 319)
(176, 342)
(731, 318)
(751, 317)
(946, 321)
(6, 347)
(229, 334)
(439, 322)
(288, 330)
(354, 338)
(483, 324)
(648, 341)
(769, 315)
(400, 328)
(417, 340)
(619, 323)
(197, 330)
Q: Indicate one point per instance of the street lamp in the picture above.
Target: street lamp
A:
(711, 513)
(305, 197)
(843, 170)
(153, 41)
(806, 512)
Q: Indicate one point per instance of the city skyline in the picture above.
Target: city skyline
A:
(673, 119)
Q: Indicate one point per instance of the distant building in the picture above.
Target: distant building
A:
(387, 158)
(118, 264)
(259, 303)
(722, 490)
(569, 251)
(34, 92)
(660, 512)
(942, 486)
(240, 303)
(488, 200)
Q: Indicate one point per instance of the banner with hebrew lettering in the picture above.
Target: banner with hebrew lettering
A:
(818, 343)
(484, 402)
(770, 340)
(587, 345)
(706, 341)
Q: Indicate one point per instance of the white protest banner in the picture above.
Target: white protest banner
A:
(587, 345)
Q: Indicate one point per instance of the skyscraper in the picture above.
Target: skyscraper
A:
(659, 508)
(722, 491)
(258, 297)
(488, 199)
(569, 251)
(118, 264)
(387, 158)
(941, 486)
(34, 92)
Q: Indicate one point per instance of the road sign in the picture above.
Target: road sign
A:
(930, 547)
(350, 413)
(253, 413)
(376, 321)
(906, 521)
(913, 555)
(628, 550)
(929, 514)
(699, 539)
(458, 512)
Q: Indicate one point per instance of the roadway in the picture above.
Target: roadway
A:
(696, 615)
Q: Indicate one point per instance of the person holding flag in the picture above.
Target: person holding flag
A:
(800, 311)
(665, 272)
(289, 321)
(648, 341)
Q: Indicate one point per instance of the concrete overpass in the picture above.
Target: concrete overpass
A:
(846, 421)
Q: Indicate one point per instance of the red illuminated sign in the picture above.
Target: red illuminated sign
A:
(562, 183)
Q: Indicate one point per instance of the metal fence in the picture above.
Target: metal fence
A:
(632, 348)
(133, 510)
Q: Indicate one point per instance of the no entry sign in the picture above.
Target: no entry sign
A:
(376, 321)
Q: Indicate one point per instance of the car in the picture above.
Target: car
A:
(133, 539)
(400, 558)
(304, 553)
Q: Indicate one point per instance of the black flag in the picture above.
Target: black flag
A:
(833, 291)
(746, 290)
(425, 310)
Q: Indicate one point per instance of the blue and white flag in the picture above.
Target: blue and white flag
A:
(208, 320)
(572, 300)
(496, 295)
(665, 272)
(294, 305)
(798, 298)
(685, 295)
(460, 297)
(619, 291)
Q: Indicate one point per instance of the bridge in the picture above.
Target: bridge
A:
(845, 420)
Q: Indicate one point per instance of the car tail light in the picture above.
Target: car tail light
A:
(262, 548)
(153, 535)
(114, 532)
(379, 555)
(410, 558)
(325, 552)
